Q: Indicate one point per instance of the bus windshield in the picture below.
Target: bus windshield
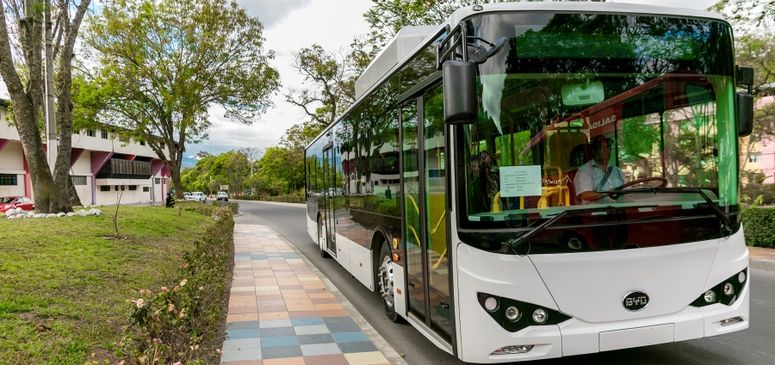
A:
(576, 107)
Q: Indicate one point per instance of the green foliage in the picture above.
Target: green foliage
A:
(180, 322)
(329, 84)
(387, 17)
(64, 280)
(210, 172)
(293, 198)
(759, 223)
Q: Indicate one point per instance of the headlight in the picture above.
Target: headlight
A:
(725, 292)
(508, 312)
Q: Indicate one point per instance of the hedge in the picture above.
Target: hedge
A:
(183, 321)
(759, 225)
(277, 198)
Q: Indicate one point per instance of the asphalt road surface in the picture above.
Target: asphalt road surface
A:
(755, 345)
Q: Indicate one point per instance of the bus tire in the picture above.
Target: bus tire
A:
(323, 252)
(385, 284)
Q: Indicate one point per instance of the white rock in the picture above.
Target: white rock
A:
(70, 214)
(61, 214)
(95, 211)
(50, 215)
(13, 217)
(40, 215)
(10, 212)
(30, 214)
(81, 213)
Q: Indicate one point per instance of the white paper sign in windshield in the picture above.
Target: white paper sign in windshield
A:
(520, 181)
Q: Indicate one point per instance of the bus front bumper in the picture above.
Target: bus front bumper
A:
(576, 337)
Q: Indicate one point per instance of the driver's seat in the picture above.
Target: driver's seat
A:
(576, 157)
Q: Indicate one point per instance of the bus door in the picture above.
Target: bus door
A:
(329, 191)
(424, 210)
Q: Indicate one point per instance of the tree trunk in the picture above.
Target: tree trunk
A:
(42, 182)
(174, 168)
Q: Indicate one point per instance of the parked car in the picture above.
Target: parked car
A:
(9, 202)
(222, 195)
(197, 196)
(186, 194)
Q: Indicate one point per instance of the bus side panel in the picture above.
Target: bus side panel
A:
(312, 229)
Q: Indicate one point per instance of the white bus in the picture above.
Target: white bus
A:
(536, 180)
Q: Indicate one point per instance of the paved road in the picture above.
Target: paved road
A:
(753, 346)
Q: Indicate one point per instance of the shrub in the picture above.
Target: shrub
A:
(759, 224)
(192, 206)
(182, 322)
(278, 198)
(234, 207)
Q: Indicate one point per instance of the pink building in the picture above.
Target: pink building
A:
(101, 166)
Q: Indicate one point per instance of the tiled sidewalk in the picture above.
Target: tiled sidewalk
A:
(281, 312)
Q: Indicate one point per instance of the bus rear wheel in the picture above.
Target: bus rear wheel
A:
(385, 282)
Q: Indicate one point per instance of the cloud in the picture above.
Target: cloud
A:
(270, 12)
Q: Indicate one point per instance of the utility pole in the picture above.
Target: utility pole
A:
(51, 129)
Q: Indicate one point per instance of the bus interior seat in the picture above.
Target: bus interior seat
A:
(576, 158)
(567, 151)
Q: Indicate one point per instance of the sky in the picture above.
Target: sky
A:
(288, 26)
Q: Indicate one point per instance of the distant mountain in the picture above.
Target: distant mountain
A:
(188, 161)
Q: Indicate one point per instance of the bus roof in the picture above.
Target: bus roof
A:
(409, 40)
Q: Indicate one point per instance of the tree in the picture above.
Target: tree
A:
(758, 52)
(21, 67)
(281, 170)
(747, 13)
(387, 17)
(164, 63)
(332, 87)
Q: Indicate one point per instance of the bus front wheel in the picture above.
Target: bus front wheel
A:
(385, 282)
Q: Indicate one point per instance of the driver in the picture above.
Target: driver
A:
(596, 175)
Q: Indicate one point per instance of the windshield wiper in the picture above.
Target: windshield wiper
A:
(726, 224)
(515, 242)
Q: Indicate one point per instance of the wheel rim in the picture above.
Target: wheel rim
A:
(386, 281)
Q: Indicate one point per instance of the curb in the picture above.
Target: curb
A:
(383, 346)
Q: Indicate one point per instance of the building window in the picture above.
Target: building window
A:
(90, 132)
(146, 189)
(754, 157)
(120, 187)
(123, 138)
(158, 180)
(105, 188)
(142, 143)
(132, 187)
(78, 180)
(104, 134)
(8, 180)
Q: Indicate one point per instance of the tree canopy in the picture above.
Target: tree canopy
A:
(163, 64)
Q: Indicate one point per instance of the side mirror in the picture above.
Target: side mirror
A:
(744, 114)
(744, 101)
(459, 78)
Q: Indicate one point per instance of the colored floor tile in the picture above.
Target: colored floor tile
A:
(281, 313)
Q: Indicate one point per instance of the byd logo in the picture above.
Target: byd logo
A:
(635, 301)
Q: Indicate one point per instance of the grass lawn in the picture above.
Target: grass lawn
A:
(64, 282)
